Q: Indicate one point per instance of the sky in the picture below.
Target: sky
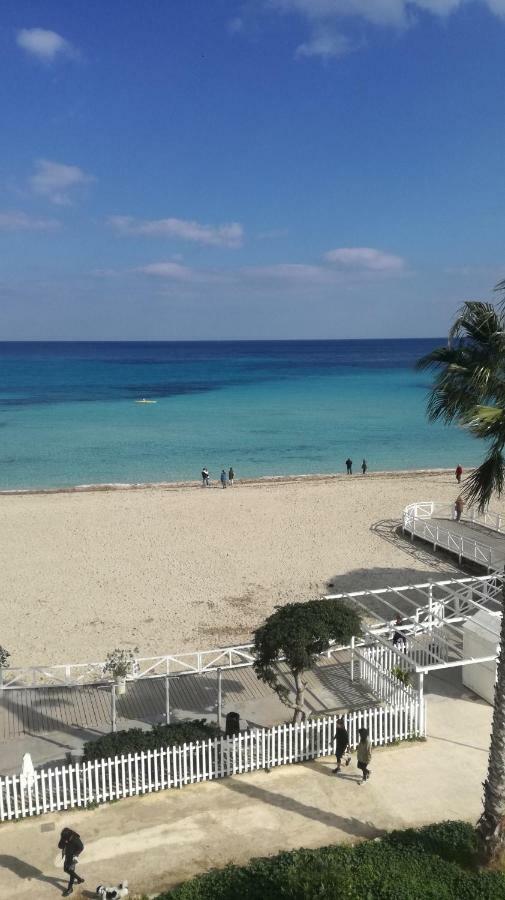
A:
(249, 169)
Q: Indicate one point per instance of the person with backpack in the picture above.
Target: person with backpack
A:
(341, 740)
(364, 753)
(71, 847)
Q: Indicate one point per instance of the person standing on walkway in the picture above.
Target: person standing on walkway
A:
(459, 472)
(223, 477)
(71, 847)
(364, 753)
(231, 476)
(458, 507)
(341, 740)
(364, 467)
(205, 477)
(348, 464)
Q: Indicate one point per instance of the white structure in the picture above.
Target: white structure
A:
(481, 635)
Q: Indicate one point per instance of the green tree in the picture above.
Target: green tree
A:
(469, 389)
(299, 632)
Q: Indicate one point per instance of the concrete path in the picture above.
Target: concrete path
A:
(159, 840)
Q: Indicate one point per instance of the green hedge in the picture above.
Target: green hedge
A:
(417, 864)
(134, 740)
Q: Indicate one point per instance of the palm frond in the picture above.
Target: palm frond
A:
(486, 480)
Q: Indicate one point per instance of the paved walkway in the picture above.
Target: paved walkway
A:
(159, 840)
(47, 722)
(462, 539)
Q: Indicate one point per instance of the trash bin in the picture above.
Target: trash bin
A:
(232, 724)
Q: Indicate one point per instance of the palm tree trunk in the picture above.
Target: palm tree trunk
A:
(491, 825)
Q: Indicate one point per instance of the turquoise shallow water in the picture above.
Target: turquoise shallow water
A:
(68, 413)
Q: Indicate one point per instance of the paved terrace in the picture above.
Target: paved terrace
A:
(49, 721)
(161, 839)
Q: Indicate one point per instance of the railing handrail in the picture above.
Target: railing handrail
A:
(423, 517)
(190, 662)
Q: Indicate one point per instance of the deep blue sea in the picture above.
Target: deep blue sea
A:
(68, 413)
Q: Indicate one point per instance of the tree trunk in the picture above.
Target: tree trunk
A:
(491, 825)
(299, 704)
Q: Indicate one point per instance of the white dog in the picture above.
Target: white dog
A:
(112, 893)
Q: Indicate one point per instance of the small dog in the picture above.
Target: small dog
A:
(112, 893)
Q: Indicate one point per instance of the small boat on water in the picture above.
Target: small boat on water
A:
(144, 400)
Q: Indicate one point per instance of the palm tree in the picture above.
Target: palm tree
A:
(469, 389)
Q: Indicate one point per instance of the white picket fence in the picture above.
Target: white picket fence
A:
(99, 781)
(375, 671)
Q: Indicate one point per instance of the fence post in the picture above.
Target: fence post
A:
(113, 702)
(167, 699)
(353, 641)
(421, 703)
(219, 698)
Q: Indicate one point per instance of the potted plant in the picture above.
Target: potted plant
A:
(4, 656)
(121, 663)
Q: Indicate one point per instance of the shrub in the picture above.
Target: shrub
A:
(402, 866)
(120, 663)
(134, 740)
(402, 675)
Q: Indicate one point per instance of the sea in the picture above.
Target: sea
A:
(69, 413)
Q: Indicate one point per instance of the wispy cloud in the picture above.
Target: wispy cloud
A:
(328, 21)
(365, 258)
(14, 220)
(46, 46)
(325, 43)
(227, 235)
(169, 270)
(300, 273)
(54, 180)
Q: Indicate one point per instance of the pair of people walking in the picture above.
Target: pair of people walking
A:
(342, 749)
(230, 478)
(348, 465)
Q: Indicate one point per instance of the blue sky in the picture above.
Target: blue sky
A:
(266, 168)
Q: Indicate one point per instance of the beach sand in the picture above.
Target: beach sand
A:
(179, 567)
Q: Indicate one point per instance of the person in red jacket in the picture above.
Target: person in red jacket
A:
(459, 472)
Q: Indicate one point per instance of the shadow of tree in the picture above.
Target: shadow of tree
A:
(351, 826)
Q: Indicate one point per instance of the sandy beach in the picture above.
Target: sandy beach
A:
(179, 567)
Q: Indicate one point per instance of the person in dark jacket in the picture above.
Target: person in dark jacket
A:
(348, 465)
(341, 740)
(71, 847)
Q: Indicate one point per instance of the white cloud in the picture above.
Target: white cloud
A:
(167, 270)
(13, 220)
(46, 46)
(365, 258)
(54, 180)
(228, 235)
(326, 18)
(325, 43)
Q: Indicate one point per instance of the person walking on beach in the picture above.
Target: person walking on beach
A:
(364, 754)
(341, 740)
(459, 472)
(71, 847)
(364, 467)
(231, 476)
(223, 477)
(205, 477)
(458, 507)
(348, 464)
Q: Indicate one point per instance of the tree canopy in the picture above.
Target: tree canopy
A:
(299, 632)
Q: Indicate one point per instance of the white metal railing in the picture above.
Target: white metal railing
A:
(381, 681)
(423, 520)
(447, 592)
(100, 781)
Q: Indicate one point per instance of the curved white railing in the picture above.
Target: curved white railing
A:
(432, 523)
